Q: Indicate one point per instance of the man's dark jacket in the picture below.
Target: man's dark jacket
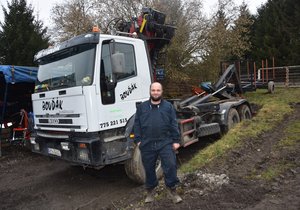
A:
(155, 124)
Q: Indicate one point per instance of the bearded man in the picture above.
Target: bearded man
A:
(157, 136)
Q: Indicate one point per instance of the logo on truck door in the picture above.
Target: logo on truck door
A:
(128, 91)
(52, 105)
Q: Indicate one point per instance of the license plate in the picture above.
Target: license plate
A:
(55, 152)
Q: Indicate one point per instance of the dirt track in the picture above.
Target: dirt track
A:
(30, 181)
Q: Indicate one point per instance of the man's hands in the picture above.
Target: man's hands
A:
(176, 146)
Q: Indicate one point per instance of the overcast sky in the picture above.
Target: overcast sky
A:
(42, 8)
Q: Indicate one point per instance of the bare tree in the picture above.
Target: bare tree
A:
(111, 12)
(71, 18)
(74, 17)
(187, 45)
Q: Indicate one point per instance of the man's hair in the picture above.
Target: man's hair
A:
(157, 83)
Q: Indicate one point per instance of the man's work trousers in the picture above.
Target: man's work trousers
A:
(168, 160)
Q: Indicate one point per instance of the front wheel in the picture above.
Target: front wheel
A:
(135, 170)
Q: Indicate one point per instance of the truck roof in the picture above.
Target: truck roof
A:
(89, 38)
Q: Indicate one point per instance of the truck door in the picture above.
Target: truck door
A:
(127, 76)
(119, 101)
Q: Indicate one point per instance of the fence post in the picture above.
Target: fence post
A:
(262, 71)
(254, 71)
(273, 68)
(247, 69)
(240, 68)
(286, 77)
(267, 71)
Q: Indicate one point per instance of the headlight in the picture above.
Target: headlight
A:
(32, 140)
(65, 146)
(83, 154)
(36, 147)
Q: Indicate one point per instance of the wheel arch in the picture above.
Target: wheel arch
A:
(226, 106)
(129, 126)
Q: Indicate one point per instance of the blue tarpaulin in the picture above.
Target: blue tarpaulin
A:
(16, 74)
(16, 87)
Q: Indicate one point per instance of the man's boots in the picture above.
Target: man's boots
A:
(150, 195)
(173, 195)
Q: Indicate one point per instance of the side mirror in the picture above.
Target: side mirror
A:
(118, 63)
(118, 67)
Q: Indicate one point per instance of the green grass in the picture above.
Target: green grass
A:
(274, 108)
(275, 170)
(290, 139)
(292, 136)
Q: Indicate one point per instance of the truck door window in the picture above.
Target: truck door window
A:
(106, 71)
(107, 96)
(130, 65)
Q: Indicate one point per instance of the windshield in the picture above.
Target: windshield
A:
(67, 68)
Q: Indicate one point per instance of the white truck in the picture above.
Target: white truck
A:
(89, 86)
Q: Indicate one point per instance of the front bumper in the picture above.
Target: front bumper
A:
(85, 149)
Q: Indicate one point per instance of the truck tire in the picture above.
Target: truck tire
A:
(244, 112)
(233, 118)
(271, 87)
(135, 170)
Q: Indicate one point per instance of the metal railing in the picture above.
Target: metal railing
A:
(249, 72)
(287, 76)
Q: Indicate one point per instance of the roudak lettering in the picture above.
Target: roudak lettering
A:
(127, 92)
(52, 105)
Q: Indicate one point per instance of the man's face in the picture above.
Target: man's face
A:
(156, 91)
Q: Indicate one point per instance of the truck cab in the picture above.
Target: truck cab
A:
(87, 90)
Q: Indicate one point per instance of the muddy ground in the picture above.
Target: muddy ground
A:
(31, 181)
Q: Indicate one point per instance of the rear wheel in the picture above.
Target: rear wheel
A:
(271, 87)
(233, 118)
(135, 170)
(244, 112)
